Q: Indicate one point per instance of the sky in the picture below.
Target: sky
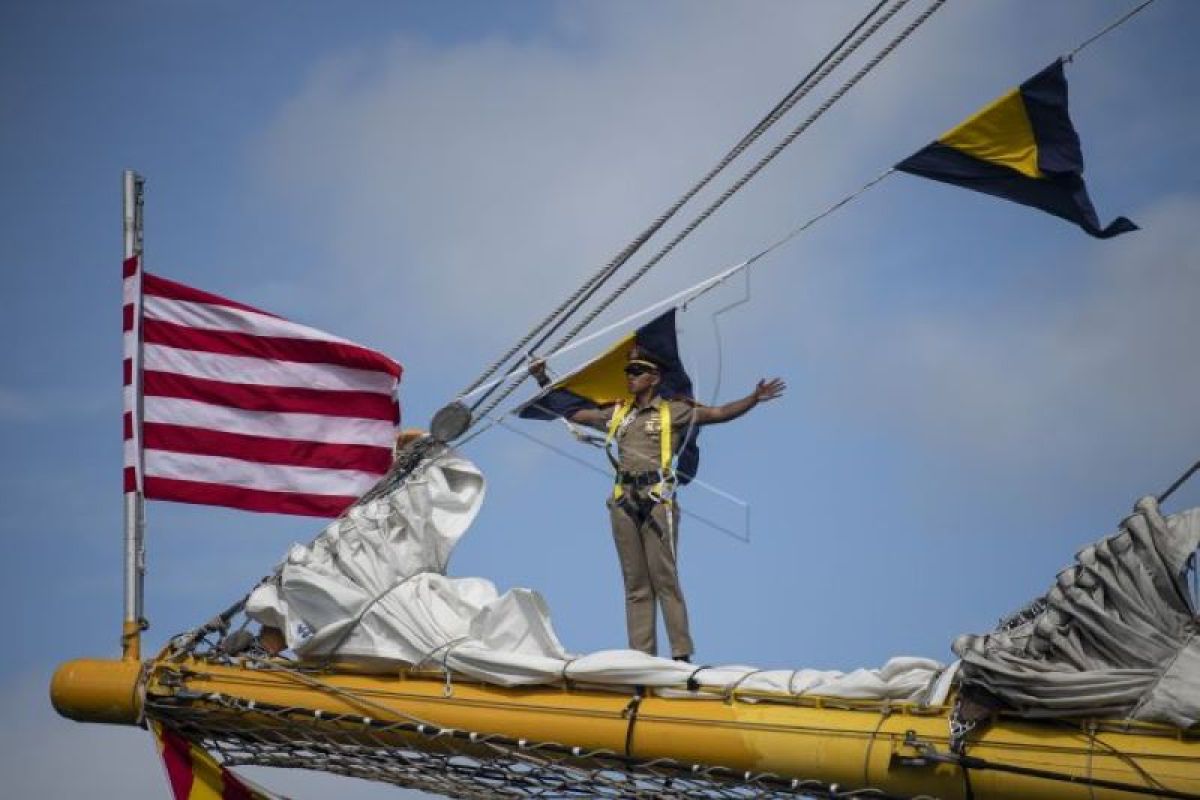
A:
(976, 390)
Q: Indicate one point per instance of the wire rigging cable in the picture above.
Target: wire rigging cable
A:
(690, 294)
(839, 52)
(746, 177)
(710, 283)
(1108, 29)
(584, 292)
(682, 297)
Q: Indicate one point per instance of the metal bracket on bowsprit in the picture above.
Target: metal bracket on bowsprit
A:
(450, 422)
(915, 752)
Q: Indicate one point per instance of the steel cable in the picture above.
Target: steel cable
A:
(741, 182)
(581, 295)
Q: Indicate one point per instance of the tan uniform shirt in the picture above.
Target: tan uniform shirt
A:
(639, 438)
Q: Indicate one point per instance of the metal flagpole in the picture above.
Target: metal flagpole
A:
(135, 520)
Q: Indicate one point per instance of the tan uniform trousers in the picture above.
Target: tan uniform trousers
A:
(646, 535)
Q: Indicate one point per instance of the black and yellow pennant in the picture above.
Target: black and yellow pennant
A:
(1022, 147)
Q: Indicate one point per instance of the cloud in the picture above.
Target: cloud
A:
(1007, 381)
(481, 183)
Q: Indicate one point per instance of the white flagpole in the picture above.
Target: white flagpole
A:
(135, 520)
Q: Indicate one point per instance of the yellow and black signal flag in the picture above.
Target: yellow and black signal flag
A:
(1023, 148)
(601, 382)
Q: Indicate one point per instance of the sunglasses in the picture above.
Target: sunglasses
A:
(633, 370)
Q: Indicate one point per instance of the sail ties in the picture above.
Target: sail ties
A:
(446, 648)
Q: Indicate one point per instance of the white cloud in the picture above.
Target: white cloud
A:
(481, 183)
(1015, 379)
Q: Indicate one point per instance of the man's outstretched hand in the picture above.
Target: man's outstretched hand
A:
(769, 389)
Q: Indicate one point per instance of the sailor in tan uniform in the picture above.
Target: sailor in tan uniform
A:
(647, 431)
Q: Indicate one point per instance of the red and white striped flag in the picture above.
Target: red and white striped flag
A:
(228, 405)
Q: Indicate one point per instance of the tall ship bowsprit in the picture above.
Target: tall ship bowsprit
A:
(360, 655)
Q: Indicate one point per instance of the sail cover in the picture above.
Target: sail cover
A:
(1116, 635)
(371, 593)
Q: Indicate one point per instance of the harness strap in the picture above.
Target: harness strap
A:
(665, 453)
(614, 425)
(666, 450)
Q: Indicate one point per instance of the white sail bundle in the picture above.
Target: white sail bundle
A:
(1116, 636)
(371, 593)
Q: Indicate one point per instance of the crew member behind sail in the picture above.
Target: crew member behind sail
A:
(648, 430)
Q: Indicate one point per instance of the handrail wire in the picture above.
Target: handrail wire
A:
(584, 292)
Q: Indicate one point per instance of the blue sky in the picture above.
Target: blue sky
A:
(977, 390)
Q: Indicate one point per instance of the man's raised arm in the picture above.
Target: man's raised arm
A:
(765, 390)
(590, 417)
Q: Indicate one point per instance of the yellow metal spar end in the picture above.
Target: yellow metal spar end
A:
(98, 690)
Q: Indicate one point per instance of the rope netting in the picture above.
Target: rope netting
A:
(452, 763)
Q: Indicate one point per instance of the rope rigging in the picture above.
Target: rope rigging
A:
(518, 374)
(753, 171)
(682, 297)
(557, 317)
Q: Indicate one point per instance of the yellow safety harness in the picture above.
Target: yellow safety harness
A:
(665, 488)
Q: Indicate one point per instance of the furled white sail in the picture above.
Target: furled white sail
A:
(371, 593)
(1117, 635)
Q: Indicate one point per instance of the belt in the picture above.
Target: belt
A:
(638, 480)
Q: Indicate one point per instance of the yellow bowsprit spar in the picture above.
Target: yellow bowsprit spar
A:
(466, 739)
